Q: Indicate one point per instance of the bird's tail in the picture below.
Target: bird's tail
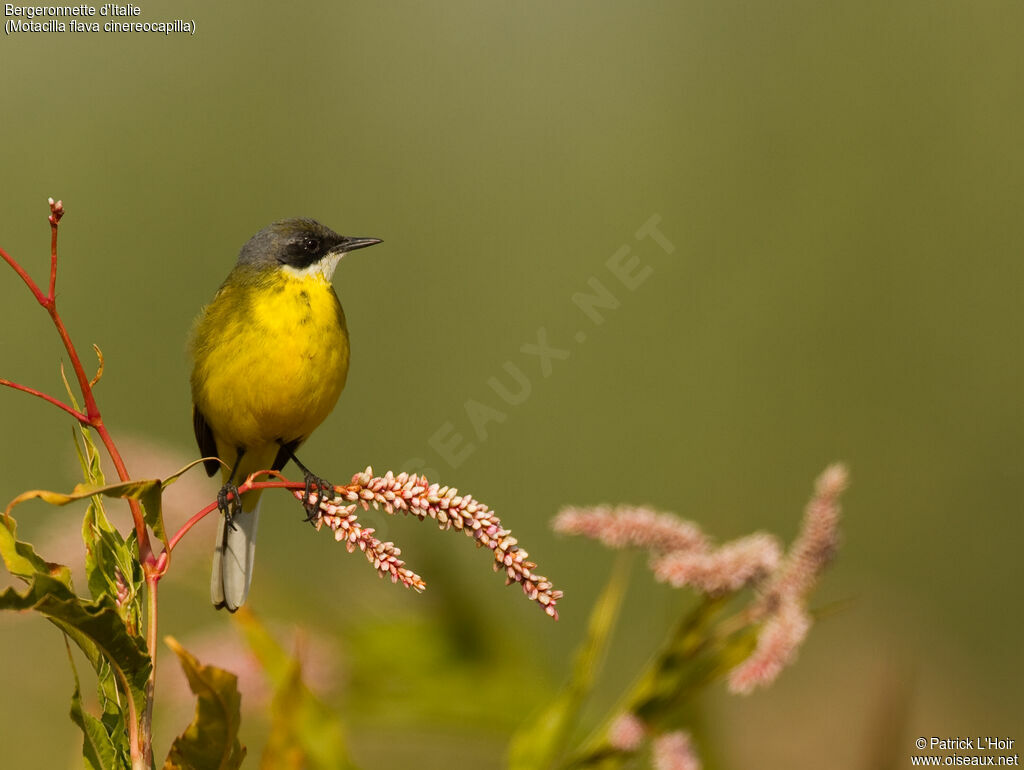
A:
(233, 556)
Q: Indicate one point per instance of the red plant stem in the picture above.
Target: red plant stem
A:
(186, 527)
(40, 297)
(96, 423)
(84, 419)
(139, 732)
(91, 409)
(53, 256)
(92, 413)
(242, 489)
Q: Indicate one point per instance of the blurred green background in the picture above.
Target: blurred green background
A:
(842, 186)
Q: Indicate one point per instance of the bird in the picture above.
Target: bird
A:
(270, 356)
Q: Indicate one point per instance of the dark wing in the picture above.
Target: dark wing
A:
(204, 437)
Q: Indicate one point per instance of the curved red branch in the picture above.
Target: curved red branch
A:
(84, 419)
(36, 292)
(93, 418)
(249, 484)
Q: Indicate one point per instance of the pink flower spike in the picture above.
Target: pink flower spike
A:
(383, 556)
(777, 645)
(627, 732)
(674, 751)
(816, 544)
(448, 509)
(727, 568)
(635, 526)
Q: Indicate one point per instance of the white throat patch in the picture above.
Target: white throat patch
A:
(324, 268)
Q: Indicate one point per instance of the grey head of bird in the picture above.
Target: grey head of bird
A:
(299, 244)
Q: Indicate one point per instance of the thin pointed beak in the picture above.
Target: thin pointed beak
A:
(351, 244)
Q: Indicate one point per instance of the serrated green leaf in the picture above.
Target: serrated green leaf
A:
(146, 491)
(211, 741)
(305, 732)
(97, 747)
(543, 737)
(113, 703)
(115, 716)
(106, 553)
(112, 700)
(102, 542)
(151, 498)
(95, 626)
(108, 558)
(21, 559)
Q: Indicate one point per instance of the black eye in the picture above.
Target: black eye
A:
(311, 245)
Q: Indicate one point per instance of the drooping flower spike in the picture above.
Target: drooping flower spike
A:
(414, 495)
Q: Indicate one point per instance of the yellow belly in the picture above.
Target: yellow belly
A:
(270, 360)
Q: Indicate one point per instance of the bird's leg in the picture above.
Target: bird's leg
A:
(322, 488)
(230, 508)
(233, 507)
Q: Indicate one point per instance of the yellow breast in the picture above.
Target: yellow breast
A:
(271, 356)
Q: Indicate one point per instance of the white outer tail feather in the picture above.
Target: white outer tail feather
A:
(233, 554)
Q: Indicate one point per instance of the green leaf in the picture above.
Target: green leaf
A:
(102, 544)
(135, 489)
(181, 472)
(663, 696)
(89, 456)
(96, 627)
(146, 491)
(305, 732)
(285, 744)
(540, 741)
(67, 387)
(693, 658)
(109, 559)
(211, 741)
(21, 559)
(97, 748)
(115, 713)
(151, 499)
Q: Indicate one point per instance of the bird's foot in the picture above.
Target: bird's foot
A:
(230, 508)
(322, 488)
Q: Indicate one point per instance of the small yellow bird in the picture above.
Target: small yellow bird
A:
(270, 357)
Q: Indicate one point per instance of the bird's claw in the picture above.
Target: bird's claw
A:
(230, 508)
(322, 488)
